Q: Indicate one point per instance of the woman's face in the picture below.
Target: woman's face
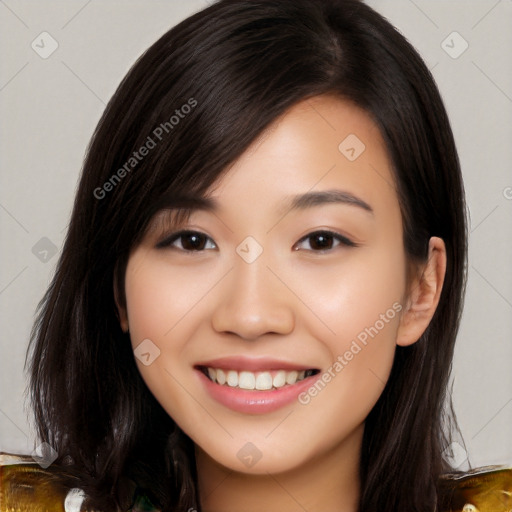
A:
(295, 267)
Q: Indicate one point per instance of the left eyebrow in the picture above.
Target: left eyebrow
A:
(310, 199)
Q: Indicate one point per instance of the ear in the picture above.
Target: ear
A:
(423, 295)
(122, 314)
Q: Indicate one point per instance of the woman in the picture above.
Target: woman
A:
(259, 294)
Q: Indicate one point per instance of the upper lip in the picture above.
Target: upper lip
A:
(253, 364)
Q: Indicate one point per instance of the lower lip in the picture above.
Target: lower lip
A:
(255, 402)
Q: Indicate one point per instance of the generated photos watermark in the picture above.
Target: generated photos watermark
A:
(343, 360)
(151, 142)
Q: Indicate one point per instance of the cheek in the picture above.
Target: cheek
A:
(357, 291)
(166, 306)
(356, 315)
(159, 297)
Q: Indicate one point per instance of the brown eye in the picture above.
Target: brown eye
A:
(193, 241)
(188, 241)
(323, 241)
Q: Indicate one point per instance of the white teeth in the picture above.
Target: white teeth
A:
(221, 377)
(261, 381)
(232, 379)
(264, 381)
(291, 377)
(279, 379)
(247, 380)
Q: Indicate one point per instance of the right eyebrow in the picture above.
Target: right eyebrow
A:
(176, 209)
(333, 196)
(186, 202)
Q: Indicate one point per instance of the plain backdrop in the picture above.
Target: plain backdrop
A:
(50, 104)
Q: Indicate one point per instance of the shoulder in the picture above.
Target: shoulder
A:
(27, 485)
(486, 489)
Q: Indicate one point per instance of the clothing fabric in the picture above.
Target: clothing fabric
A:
(27, 486)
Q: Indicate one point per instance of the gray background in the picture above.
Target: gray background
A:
(50, 106)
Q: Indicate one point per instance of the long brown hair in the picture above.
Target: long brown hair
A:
(238, 65)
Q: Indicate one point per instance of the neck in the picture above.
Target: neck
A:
(327, 483)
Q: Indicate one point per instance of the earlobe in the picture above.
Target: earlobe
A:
(424, 294)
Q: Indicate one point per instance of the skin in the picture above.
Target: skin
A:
(293, 302)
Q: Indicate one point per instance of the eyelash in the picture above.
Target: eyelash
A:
(343, 240)
(171, 239)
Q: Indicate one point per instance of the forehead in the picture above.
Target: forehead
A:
(323, 143)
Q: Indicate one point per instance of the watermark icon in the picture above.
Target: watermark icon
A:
(454, 45)
(44, 45)
(351, 147)
(343, 360)
(44, 455)
(151, 142)
(249, 249)
(507, 193)
(44, 249)
(146, 352)
(249, 454)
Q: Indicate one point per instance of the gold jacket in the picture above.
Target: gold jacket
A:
(25, 486)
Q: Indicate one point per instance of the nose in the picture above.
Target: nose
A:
(253, 302)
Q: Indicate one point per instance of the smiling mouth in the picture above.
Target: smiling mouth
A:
(256, 381)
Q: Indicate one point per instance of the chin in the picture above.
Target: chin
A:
(258, 457)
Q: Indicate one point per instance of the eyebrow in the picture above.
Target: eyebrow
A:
(310, 199)
(179, 208)
(185, 202)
